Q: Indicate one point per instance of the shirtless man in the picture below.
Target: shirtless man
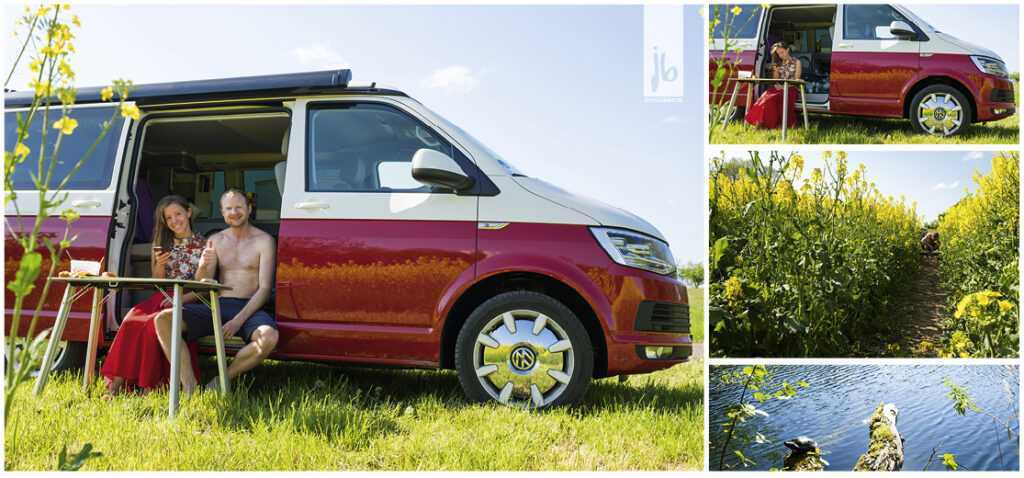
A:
(244, 257)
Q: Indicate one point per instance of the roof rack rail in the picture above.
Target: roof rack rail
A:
(221, 88)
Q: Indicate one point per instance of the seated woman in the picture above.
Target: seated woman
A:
(135, 358)
(767, 112)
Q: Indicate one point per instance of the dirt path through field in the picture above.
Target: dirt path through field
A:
(924, 306)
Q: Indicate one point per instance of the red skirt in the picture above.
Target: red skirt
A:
(768, 109)
(136, 354)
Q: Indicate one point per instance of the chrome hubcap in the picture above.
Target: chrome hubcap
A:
(523, 358)
(939, 114)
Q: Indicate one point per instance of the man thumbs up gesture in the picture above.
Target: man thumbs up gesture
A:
(207, 262)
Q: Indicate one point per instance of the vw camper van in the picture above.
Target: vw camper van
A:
(869, 60)
(401, 240)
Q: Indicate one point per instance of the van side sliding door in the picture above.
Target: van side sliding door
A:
(366, 253)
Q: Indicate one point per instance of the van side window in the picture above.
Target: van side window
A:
(743, 25)
(94, 174)
(870, 22)
(365, 147)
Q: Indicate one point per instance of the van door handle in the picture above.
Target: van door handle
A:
(746, 45)
(312, 205)
(86, 204)
(844, 46)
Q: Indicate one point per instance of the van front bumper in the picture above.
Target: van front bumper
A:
(651, 317)
(995, 100)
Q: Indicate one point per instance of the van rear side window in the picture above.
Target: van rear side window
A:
(743, 25)
(94, 174)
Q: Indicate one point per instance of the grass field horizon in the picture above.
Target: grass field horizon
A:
(306, 416)
(840, 129)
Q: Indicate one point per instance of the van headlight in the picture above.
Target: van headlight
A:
(990, 66)
(633, 249)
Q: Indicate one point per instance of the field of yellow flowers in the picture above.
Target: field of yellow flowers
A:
(980, 237)
(804, 268)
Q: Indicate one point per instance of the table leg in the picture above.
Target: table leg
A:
(785, 110)
(218, 338)
(803, 101)
(732, 101)
(94, 330)
(55, 333)
(175, 379)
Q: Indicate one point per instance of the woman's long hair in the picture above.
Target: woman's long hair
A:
(163, 236)
(776, 59)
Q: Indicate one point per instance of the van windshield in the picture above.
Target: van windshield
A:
(918, 20)
(512, 170)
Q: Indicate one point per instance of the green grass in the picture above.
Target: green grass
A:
(301, 416)
(696, 295)
(837, 129)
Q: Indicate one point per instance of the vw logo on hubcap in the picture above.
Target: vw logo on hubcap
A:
(940, 114)
(523, 358)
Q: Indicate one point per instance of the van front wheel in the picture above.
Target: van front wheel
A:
(940, 110)
(524, 349)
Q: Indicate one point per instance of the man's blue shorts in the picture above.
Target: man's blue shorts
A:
(198, 318)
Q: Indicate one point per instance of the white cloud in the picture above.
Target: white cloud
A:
(944, 186)
(454, 79)
(319, 56)
(672, 119)
(974, 155)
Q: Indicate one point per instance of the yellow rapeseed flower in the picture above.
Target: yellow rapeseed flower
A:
(21, 150)
(736, 10)
(131, 111)
(74, 19)
(1005, 305)
(107, 93)
(66, 125)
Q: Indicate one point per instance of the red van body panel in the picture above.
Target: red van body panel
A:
(746, 65)
(879, 83)
(871, 83)
(90, 245)
(421, 285)
(570, 254)
(369, 290)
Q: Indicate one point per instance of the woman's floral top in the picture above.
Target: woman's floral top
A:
(787, 70)
(185, 255)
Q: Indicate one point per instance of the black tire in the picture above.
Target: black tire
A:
(70, 355)
(551, 368)
(738, 113)
(940, 110)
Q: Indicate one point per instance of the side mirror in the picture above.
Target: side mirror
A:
(436, 169)
(901, 29)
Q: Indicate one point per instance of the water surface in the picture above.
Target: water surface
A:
(835, 408)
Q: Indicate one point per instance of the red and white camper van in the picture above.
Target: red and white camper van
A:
(402, 241)
(869, 60)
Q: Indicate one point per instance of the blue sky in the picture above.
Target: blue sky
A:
(996, 27)
(556, 90)
(935, 179)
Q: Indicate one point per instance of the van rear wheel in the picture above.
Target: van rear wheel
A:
(69, 355)
(940, 110)
(524, 349)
